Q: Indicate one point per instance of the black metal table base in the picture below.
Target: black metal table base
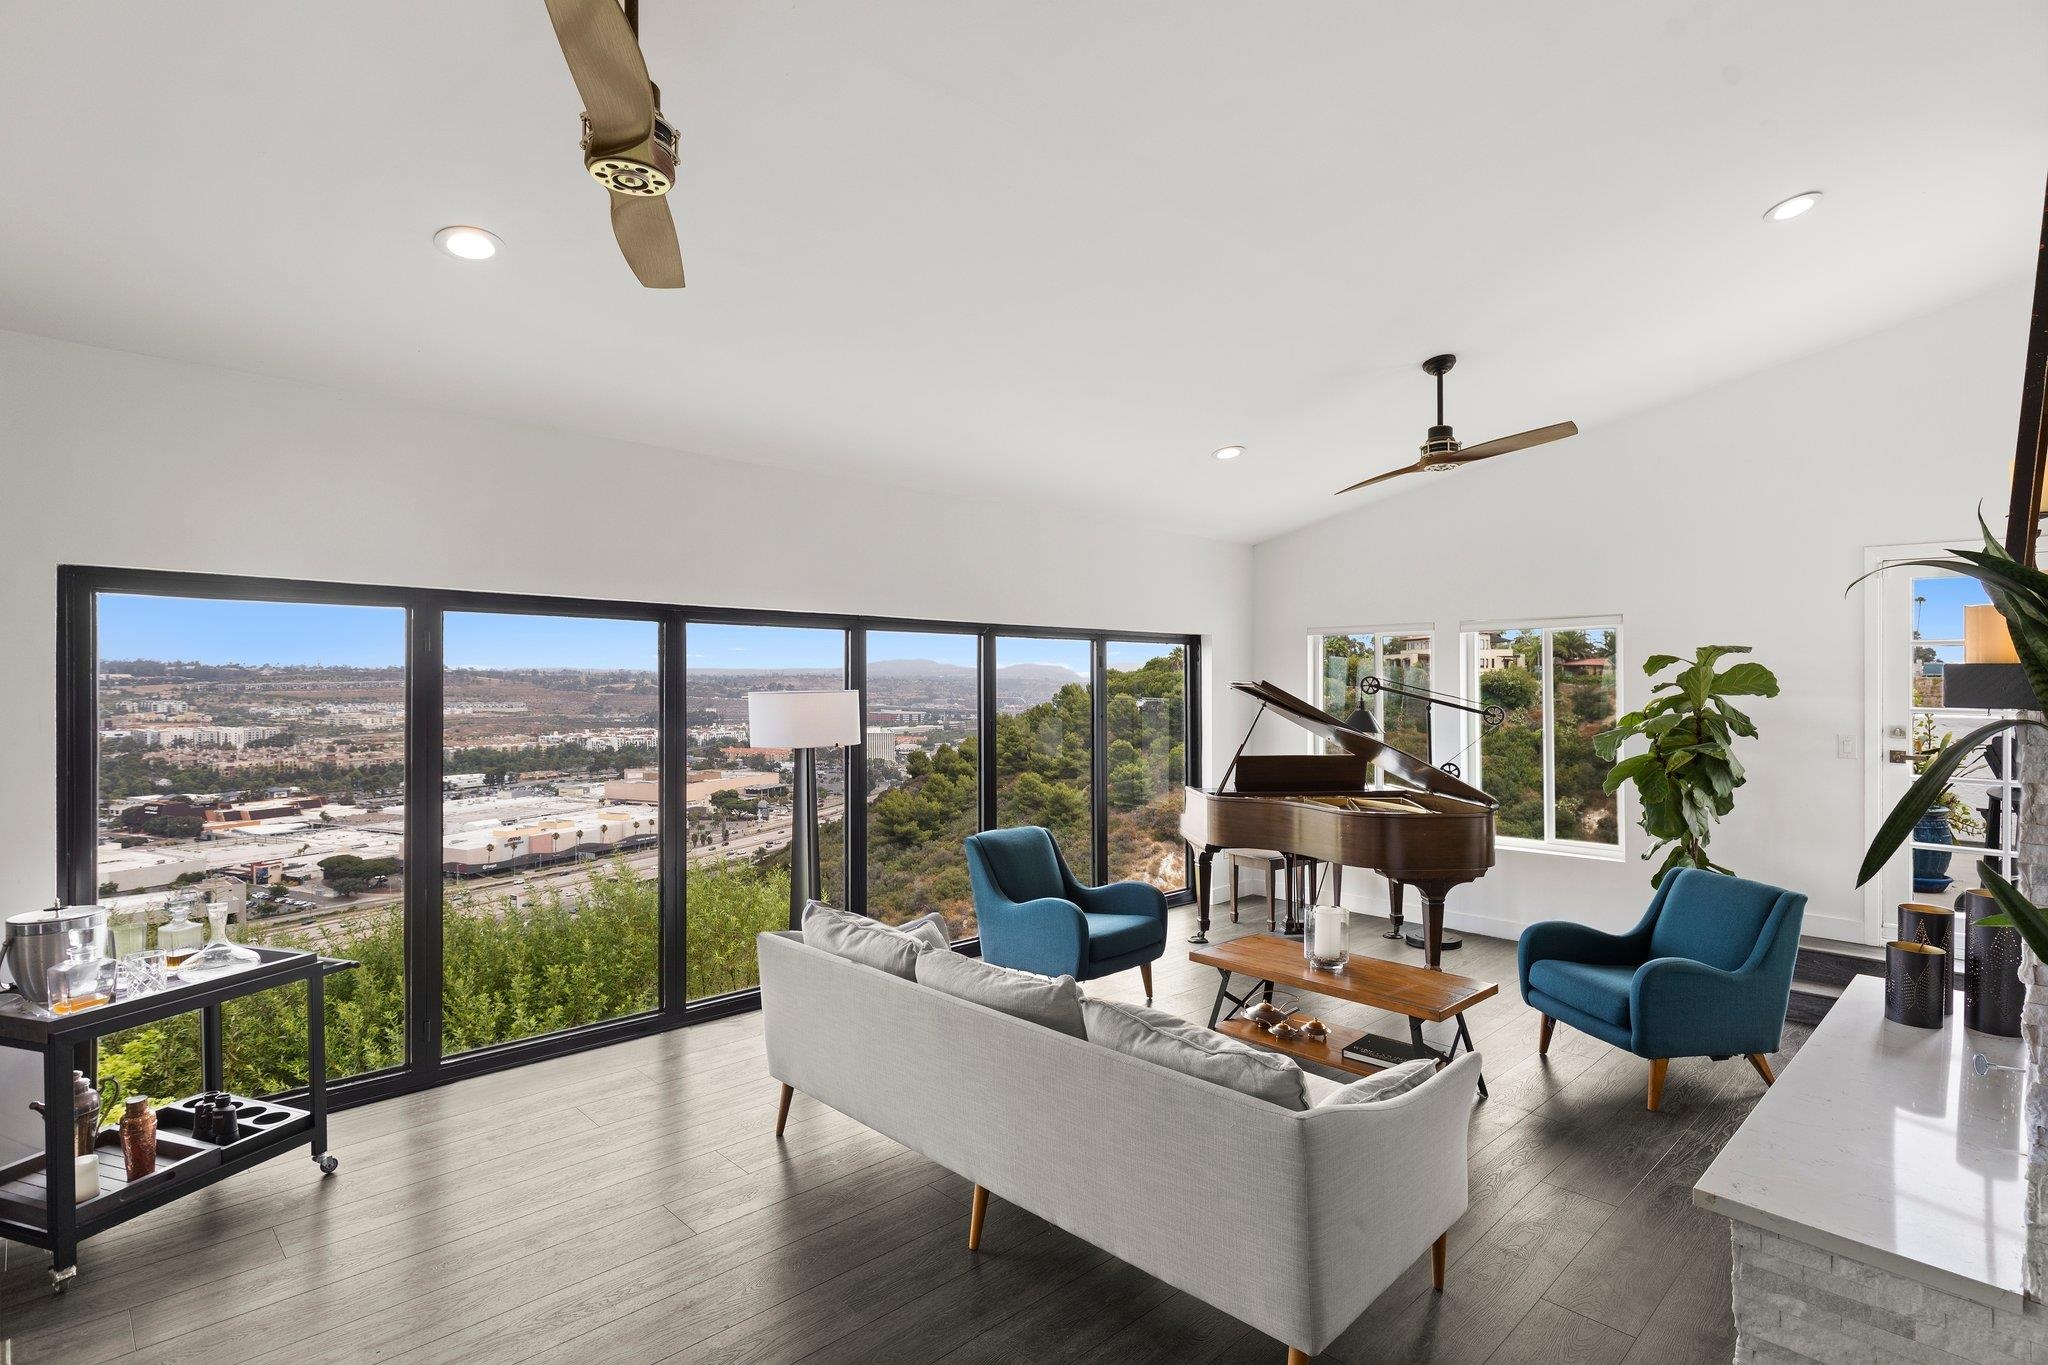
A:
(1417, 1047)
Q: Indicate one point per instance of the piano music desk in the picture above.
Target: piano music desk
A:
(1419, 994)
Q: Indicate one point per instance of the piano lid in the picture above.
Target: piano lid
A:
(1402, 764)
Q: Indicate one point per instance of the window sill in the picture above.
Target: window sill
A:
(1599, 853)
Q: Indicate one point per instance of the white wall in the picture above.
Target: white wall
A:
(118, 459)
(1735, 516)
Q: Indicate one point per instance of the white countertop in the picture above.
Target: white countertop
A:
(1881, 1143)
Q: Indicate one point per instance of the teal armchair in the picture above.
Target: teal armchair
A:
(1035, 916)
(1707, 973)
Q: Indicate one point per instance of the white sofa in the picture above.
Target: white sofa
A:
(1292, 1222)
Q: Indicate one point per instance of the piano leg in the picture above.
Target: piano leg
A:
(1431, 937)
(1205, 879)
(1432, 944)
(1394, 912)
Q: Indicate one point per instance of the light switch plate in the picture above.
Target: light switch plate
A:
(1845, 746)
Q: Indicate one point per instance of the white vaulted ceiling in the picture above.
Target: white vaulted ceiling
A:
(1062, 248)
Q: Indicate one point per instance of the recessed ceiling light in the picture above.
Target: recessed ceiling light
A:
(1793, 207)
(1229, 452)
(468, 243)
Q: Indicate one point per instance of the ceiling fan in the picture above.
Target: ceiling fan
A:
(628, 147)
(1442, 452)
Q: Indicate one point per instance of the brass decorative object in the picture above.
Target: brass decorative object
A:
(1315, 1030)
(1264, 1015)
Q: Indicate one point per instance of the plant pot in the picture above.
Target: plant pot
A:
(1930, 869)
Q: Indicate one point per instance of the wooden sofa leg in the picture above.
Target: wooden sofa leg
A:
(782, 1108)
(1438, 1251)
(974, 1217)
(1658, 1066)
(1295, 1357)
(1145, 971)
(1543, 1039)
(1763, 1067)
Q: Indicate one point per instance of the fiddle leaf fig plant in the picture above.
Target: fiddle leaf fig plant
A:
(1686, 778)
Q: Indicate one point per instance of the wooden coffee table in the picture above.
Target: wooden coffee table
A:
(1417, 993)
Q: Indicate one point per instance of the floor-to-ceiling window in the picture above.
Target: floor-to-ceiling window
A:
(923, 691)
(1145, 720)
(550, 824)
(740, 810)
(251, 755)
(1045, 742)
(533, 823)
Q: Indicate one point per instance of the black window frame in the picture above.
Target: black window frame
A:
(77, 779)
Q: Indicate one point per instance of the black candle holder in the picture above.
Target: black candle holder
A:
(1992, 991)
(1915, 976)
(1935, 927)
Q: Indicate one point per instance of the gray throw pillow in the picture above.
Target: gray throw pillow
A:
(1205, 1054)
(1053, 1001)
(1382, 1086)
(929, 927)
(860, 939)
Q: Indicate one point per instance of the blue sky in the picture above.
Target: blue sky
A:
(250, 632)
(1940, 617)
(886, 645)
(218, 632)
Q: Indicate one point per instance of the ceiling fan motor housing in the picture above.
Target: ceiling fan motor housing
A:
(1439, 445)
(645, 170)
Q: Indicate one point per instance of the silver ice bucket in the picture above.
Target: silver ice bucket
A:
(41, 939)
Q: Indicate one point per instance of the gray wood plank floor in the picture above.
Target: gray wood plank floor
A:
(635, 1206)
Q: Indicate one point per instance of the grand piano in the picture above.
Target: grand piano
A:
(1432, 831)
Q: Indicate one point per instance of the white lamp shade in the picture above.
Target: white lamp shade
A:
(803, 720)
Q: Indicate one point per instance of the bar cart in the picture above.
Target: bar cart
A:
(37, 1196)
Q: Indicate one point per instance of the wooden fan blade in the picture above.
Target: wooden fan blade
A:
(1486, 450)
(1380, 478)
(611, 75)
(647, 238)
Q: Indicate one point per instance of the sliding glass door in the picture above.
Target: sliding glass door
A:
(1045, 742)
(923, 746)
(550, 824)
(740, 807)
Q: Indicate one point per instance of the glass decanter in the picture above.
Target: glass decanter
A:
(221, 954)
(81, 981)
(181, 937)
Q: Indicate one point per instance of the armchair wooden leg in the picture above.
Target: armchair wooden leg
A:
(1763, 1067)
(1658, 1066)
(1295, 1357)
(782, 1108)
(1543, 1040)
(974, 1217)
(1145, 971)
(1438, 1250)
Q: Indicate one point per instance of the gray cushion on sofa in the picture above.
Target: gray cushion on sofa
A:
(863, 940)
(1174, 1043)
(1381, 1086)
(930, 927)
(1054, 1001)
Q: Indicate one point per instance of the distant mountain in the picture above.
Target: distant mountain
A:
(1056, 675)
(917, 668)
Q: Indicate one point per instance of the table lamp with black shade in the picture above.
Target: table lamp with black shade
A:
(803, 722)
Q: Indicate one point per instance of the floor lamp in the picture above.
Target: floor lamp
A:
(803, 722)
